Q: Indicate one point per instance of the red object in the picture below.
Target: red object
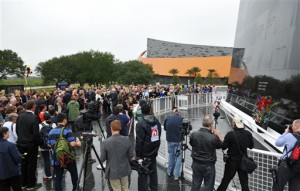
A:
(270, 102)
(295, 153)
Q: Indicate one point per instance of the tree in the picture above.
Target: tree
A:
(91, 67)
(11, 64)
(189, 72)
(195, 70)
(198, 79)
(175, 79)
(210, 73)
(135, 71)
(173, 71)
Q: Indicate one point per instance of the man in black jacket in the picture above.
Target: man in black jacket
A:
(233, 163)
(204, 144)
(148, 132)
(27, 128)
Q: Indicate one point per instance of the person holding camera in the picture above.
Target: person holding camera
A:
(117, 152)
(284, 172)
(173, 128)
(204, 144)
(148, 132)
(234, 159)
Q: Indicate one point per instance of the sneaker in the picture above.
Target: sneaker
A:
(45, 178)
(176, 178)
(169, 174)
(23, 187)
(35, 187)
(99, 166)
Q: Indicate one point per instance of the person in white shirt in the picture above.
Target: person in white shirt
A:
(11, 125)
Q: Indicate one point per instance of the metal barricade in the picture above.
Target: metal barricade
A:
(260, 179)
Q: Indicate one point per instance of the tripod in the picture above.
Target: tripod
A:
(184, 147)
(89, 145)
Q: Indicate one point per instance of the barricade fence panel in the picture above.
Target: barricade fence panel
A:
(260, 179)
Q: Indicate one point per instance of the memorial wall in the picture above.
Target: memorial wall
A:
(266, 55)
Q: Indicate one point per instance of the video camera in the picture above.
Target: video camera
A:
(186, 127)
(141, 166)
(89, 134)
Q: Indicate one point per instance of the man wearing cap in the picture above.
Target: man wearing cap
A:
(233, 163)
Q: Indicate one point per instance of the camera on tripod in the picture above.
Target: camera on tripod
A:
(141, 166)
(186, 127)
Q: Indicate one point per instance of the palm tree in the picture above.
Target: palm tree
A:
(173, 71)
(195, 70)
(210, 73)
(189, 72)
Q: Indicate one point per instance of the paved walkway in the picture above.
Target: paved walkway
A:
(95, 180)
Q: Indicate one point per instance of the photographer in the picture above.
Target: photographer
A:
(204, 144)
(117, 151)
(148, 132)
(90, 115)
(285, 173)
(233, 163)
(173, 128)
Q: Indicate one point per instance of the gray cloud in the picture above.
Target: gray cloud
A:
(39, 30)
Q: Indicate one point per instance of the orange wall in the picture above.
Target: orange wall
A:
(162, 66)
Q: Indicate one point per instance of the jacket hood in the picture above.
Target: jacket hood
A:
(72, 101)
(150, 118)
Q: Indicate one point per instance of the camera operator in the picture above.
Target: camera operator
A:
(117, 151)
(285, 173)
(148, 132)
(173, 128)
(204, 144)
(91, 114)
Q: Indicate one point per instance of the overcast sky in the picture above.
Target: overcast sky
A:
(41, 29)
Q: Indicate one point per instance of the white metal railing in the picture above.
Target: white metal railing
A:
(186, 101)
(261, 178)
(38, 87)
(162, 105)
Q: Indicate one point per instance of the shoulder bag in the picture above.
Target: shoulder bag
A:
(247, 164)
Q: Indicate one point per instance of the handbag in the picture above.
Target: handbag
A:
(247, 164)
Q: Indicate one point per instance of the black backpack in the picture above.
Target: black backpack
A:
(45, 136)
(293, 161)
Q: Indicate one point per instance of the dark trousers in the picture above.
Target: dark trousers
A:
(14, 182)
(47, 165)
(284, 175)
(143, 178)
(231, 167)
(72, 168)
(203, 172)
(28, 165)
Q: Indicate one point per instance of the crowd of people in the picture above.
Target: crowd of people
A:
(25, 116)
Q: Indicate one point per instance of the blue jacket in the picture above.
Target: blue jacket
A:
(173, 127)
(9, 160)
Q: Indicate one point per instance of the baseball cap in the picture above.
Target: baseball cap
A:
(238, 121)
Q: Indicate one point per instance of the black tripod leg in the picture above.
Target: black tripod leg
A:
(82, 167)
(101, 164)
(102, 131)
